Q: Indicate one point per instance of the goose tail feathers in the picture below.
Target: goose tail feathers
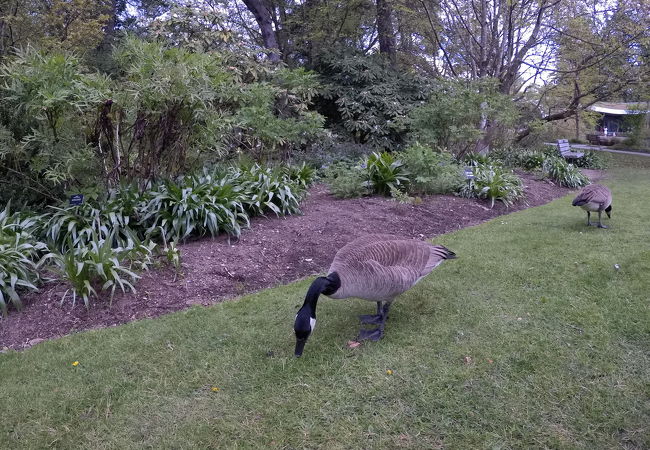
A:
(445, 253)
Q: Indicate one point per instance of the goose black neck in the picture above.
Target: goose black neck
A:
(321, 285)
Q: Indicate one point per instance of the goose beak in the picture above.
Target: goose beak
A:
(300, 345)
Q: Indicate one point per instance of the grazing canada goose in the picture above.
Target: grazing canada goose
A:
(376, 268)
(596, 198)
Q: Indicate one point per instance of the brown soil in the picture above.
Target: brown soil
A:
(273, 251)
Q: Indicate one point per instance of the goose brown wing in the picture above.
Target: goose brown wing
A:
(355, 249)
(594, 193)
(371, 280)
(376, 268)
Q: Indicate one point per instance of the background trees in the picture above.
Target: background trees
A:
(126, 89)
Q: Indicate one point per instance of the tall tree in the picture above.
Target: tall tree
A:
(262, 11)
(385, 33)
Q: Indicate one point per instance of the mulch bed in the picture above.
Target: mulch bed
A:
(272, 252)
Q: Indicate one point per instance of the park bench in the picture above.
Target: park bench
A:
(565, 150)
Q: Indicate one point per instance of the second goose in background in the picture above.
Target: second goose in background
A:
(596, 198)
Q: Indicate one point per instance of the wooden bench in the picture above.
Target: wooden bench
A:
(565, 150)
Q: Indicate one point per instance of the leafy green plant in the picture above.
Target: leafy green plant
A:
(346, 180)
(19, 257)
(385, 172)
(494, 183)
(563, 173)
(592, 160)
(476, 159)
(303, 175)
(518, 157)
(369, 97)
(452, 115)
(73, 226)
(194, 205)
(431, 172)
(173, 254)
(97, 265)
(265, 189)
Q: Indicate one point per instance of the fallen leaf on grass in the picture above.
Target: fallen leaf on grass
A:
(353, 344)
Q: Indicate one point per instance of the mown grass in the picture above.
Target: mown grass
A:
(530, 339)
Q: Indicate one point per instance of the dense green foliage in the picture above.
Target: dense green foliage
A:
(418, 170)
(431, 172)
(346, 180)
(166, 111)
(592, 160)
(385, 173)
(455, 115)
(369, 98)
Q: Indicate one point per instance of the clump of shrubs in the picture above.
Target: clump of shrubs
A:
(431, 172)
(420, 170)
(563, 173)
(493, 182)
(346, 180)
(550, 165)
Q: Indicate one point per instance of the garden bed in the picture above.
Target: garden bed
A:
(274, 251)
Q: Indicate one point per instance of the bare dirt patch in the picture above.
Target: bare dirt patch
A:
(273, 251)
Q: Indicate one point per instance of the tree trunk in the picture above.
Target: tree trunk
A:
(482, 146)
(385, 32)
(261, 10)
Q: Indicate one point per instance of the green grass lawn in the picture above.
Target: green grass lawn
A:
(531, 338)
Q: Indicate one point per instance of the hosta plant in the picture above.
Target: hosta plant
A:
(74, 226)
(17, 271)
(302, 175)
(592, 160)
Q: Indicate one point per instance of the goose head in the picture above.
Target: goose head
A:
(608, 211)
(306, 317)
(303, 326)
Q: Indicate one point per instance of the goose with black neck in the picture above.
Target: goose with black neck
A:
(376, 268)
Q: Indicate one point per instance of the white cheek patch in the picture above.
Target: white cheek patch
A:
(312, 323)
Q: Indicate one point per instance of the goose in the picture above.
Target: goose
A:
(377, 268)
(596, 198)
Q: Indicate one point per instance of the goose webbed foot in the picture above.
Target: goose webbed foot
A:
(371, 319)
(600, 225)
(372, 335)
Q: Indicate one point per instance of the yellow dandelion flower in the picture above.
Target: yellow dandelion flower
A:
(215, 389)
(389, 372)
(76, 363)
